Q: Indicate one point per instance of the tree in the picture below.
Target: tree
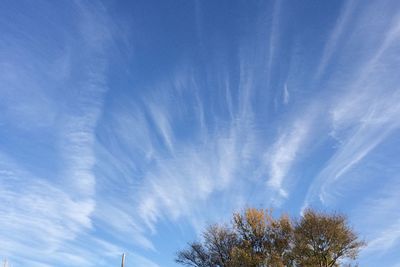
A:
(262, 238)
(322, 239)
(257, 239)
(216, 250)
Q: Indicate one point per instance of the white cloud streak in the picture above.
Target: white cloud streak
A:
(362, 117)
(172, 156)
(385, 240)
(273, 37)
(333, 40)
(44, 219)
(286, 94)
(182, 182)
(38, 207)
(284, 154)
(162, 122)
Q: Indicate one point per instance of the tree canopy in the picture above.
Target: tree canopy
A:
(256, 239)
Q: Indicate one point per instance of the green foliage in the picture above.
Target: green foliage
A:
(257, 239)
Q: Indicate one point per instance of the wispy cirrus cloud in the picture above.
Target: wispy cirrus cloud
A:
(181, 178)
(180, 184)
(382, 223)
(162, 122)
(335, 37)
(363, 116)
(284, 152)
(273, 42)
(38, 207)
(286, 94)
(385, 239)
(131, 132)
(50, 212)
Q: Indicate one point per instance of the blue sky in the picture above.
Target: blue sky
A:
(127, 126)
